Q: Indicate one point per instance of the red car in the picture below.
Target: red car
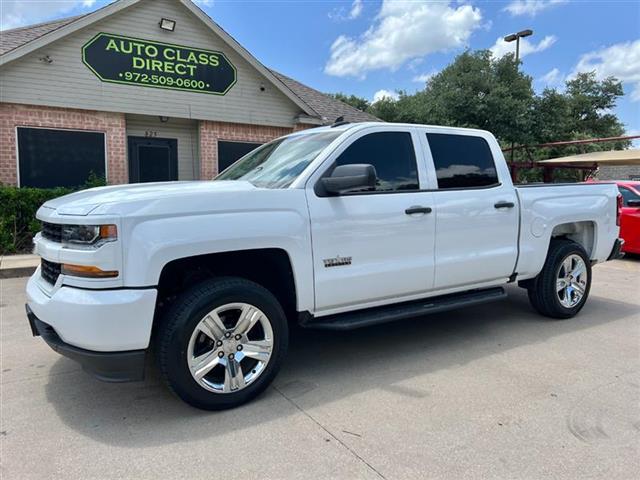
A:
(629, 213)
(630, 217)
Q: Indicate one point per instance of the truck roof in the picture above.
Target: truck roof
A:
(361, 125)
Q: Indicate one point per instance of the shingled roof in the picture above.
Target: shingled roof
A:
(327, 108)
(14, 38)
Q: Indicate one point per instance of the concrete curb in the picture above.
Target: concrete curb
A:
(17, 272)
(16, 266)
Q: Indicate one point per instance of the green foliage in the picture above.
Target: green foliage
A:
(353, 100)
(18, 223)
(18, 207)
(94, 181)
(474, 91)
(480, 91)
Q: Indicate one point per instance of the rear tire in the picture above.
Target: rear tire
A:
(562, 287)
(222, 343)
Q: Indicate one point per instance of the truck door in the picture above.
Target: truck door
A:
(476, 211)
(373, 247)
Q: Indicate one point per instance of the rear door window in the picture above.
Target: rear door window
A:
(462, 161)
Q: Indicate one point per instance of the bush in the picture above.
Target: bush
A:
(18, 222)
(18, 207)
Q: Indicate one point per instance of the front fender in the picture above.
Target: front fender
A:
(155, 242)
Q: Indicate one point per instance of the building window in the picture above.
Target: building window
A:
(462, 161)
(231, 152)
(59, 158)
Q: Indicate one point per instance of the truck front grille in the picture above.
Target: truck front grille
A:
(52, 231)
(50, 271)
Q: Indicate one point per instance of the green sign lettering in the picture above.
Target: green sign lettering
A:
(133, 61)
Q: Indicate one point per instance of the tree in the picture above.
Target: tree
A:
(480, 91)
(582, 111)
(476, 91)
(353, 100)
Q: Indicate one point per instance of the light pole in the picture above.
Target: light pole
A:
(509, 39)
(517, 37)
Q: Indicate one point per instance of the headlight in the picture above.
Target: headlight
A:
(88, 235)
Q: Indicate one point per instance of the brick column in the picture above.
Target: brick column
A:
(210, 132)
(111, 124)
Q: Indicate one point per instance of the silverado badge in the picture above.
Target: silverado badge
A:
(337, 261)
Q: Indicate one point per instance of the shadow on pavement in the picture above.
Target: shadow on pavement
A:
(322, 367)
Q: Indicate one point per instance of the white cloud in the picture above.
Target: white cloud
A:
(402, 31)
(501, 48)
(530, 7)
(552, 78)
(382, 94)
(340, 14)
(356, 9)
(621, 60)
(17, 13)
(424, 77)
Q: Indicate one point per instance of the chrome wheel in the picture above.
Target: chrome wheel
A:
(571, 283)
(230, 347)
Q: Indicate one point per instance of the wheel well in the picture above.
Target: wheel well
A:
(582, 233)
(269, 267)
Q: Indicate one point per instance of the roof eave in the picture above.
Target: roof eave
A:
(61, 32)
(120, 5)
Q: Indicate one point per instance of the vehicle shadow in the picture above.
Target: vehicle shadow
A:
(322, 367)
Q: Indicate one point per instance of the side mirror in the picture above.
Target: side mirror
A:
(633, 203)
(350, 178)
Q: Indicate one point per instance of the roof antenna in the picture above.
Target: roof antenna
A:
(339, 121)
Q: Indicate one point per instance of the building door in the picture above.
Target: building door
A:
(153, 159)
(230, 152)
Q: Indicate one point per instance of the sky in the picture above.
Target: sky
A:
(372, 48)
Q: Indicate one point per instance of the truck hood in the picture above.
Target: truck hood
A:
(119, 199)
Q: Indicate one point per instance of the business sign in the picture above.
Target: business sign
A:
(132, 61)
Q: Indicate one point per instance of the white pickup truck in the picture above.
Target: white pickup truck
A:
(335, 228)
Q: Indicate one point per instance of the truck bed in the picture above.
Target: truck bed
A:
(582, 211)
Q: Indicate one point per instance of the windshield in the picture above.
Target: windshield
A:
(277, 164)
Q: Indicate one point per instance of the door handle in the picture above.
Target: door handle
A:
(504, 205)
(417, 209)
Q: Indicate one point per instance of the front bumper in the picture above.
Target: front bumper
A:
(98, 320)
(616, 251)
(107, 366)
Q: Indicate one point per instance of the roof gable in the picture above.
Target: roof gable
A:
(318, 107)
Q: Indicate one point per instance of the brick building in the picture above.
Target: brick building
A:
(141, 90)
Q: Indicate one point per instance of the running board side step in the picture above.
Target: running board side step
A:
(401, 311)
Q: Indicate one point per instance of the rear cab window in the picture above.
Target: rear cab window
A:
(462, 161)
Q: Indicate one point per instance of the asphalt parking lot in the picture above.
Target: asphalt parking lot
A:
(487, 392)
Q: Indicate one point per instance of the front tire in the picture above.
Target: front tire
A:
(562, 287)
(222, 343)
